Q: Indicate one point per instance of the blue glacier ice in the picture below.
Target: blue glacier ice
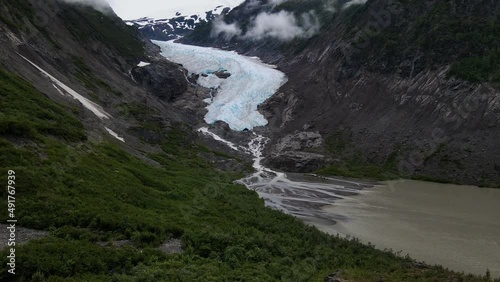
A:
(250, 84)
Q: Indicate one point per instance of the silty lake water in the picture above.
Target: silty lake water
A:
(456, 226)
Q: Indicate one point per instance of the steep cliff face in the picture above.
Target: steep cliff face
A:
(395, 87)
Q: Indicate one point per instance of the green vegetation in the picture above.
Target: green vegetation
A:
(84, 74)
(87, 24)
(136, 110)
(27, 114)
(85, 193)
(355, 166)
(15, 12)
(478, 69)
(360, 171)
(465, 36)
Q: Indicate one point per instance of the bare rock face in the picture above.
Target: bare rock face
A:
(300, 141)
(296, 161)
(298, 152)
(163, 79)
(173, 246)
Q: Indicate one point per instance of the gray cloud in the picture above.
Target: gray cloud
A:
(331, 6)
(228, 30)
(282, 25)
(100, 5)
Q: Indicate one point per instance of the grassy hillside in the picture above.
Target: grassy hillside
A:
(85, 193)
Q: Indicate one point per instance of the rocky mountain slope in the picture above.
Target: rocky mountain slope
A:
(394, 88)
(97, 57)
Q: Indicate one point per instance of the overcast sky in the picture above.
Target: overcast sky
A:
(133, 9)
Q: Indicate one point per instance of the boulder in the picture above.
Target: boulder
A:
(222, 74)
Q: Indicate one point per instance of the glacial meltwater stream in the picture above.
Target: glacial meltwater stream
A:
(455, 226)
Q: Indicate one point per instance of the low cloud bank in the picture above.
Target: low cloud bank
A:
(99, 5)
(228, 30)
(282, 25)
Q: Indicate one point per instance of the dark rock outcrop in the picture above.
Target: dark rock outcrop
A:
(299, 152)
(162, 79)
(222, 74)
(334, 277)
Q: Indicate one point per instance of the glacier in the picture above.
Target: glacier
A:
(238, 96)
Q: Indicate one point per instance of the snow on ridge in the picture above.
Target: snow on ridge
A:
(250, 84)
(191, 11)
(189, 8)
(143, 64)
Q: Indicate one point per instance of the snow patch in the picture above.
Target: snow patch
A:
(216, 137)
(59, 90)
(112, 133)
(250, 84)
(93, 107)
(143, 64)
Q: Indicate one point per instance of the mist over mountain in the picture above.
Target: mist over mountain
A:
(100, 5)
